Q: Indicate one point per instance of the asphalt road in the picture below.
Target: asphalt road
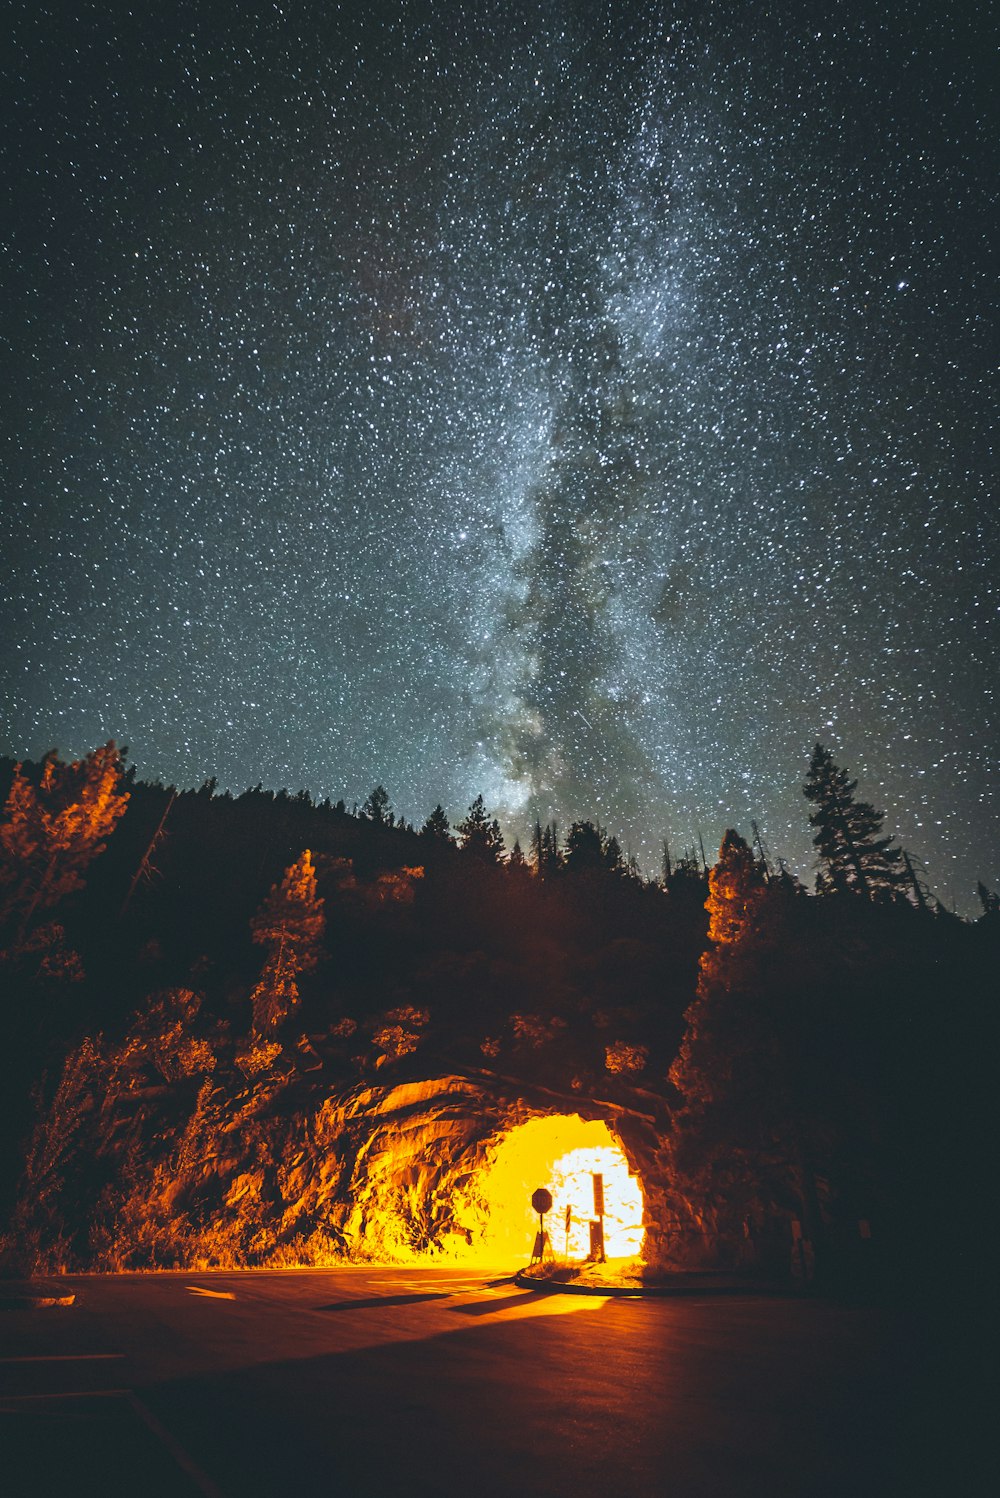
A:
(358, 1382)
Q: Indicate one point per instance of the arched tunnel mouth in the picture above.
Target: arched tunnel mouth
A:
(494, 1222)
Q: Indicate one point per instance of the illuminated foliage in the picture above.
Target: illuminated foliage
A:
(290, 924)
(52, 832)
(395, 886)
(394, 1041)
(57, 961)
(536, 1030)
(622, 1058)
(162, 1035)
(257, 1056)
(735, 893)
(53, 1157)
(735, 905)
(400, 1034)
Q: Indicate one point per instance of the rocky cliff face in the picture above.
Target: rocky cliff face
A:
(287, 1170)
(401, 1171)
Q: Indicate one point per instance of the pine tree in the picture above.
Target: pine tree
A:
(290, 924)
(437, 826)
(989, 900)
(377, 808)
(855, 858)
(739, 1140)
(552, 859)
(668, 867)
(584, 848)
(481, 835)
(736, 895)
(51, 833)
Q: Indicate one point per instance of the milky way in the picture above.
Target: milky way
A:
(585, 412)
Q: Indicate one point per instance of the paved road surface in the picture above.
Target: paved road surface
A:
(366, 1383)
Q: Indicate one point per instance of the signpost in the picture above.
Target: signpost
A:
(597, 1228)
(542, 1203)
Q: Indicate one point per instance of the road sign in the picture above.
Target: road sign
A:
(542, 1200)
(598, 1195)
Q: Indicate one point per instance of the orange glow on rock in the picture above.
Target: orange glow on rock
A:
(561, 1153)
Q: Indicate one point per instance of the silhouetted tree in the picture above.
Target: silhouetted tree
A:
(584, 848)
(480, 834)
(437, 826)
(855, 858)
(988, 899)
(377, 808)
(613, 860)
(546, 857)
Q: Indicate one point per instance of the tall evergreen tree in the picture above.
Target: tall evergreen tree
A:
(584, 848)
(377, 808)
(290, 924)
(988, 899)
(736, 894)
(437, 826)
(480, 834)
(854, 856)
(51, 833)
(551, 855)
(739, 1138)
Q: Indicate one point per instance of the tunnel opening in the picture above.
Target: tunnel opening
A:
(495, 1222)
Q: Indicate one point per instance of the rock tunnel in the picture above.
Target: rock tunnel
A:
(444, 1171)
(561, 1152)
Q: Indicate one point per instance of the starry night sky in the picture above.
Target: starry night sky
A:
(589, 406)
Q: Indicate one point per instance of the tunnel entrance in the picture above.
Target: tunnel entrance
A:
(561, 1152)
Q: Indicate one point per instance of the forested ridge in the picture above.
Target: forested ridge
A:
(179, 965)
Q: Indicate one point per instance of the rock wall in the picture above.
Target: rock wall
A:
(395, 1169)
(287, 1172)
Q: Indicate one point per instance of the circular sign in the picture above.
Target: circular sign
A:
(542, 1200)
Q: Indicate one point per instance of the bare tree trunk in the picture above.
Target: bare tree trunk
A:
(144, 864)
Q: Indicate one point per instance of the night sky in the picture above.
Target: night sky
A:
(589, 406)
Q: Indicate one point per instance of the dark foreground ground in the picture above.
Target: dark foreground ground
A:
(433, 1382)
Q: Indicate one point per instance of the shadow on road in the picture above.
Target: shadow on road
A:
(375, 1301)
(490, 1307)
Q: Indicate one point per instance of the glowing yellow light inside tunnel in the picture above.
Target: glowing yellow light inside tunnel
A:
(561, 1153)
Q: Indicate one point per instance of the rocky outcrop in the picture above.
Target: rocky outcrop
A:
(285, 1170)
(396, 1169)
